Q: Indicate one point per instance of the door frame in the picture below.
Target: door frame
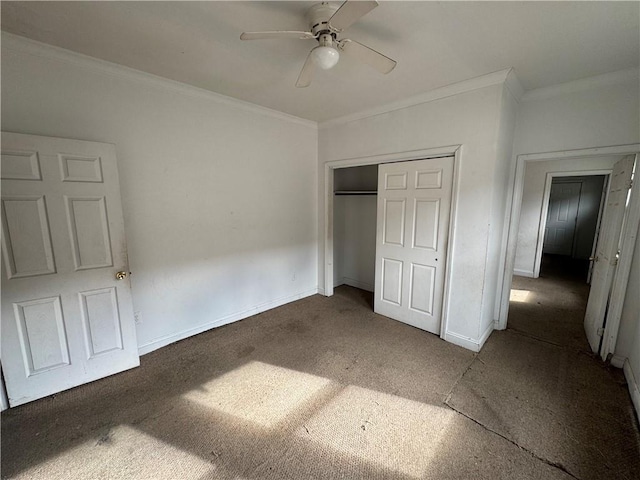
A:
(424, 154)
(514, 221)
(546, 195)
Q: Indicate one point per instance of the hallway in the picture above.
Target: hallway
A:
(552, 307)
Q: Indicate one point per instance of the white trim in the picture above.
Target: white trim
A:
(453, 217)
(394, 157)
(611, 78)
(483, 81)
(621, 275)
(468, 342)
(516, 206)
(437, 152)
(627, 149)
(4, 399)
(618, 361)
(27, 46)
(166, 340)
(523, 273)
(352, 282)
(514, 86)
(546, 195)
(328, 230)
(634, 387)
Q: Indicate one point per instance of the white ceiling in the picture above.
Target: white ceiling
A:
(435, 44)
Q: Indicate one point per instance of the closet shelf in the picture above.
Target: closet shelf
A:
(355, 192)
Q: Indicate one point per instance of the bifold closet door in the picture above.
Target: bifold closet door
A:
(414, 203)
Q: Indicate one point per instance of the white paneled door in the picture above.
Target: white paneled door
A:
(67, 316)
(560, 229)
(605, 260)
(414, 202)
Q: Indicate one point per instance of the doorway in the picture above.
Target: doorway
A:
(570, 220)
(357, 266)
(523, 266)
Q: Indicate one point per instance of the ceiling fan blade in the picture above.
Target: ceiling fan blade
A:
(349, 12)
(304, 79)
(367, 55)
(276, 34)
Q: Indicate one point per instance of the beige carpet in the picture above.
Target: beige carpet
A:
(324, 389)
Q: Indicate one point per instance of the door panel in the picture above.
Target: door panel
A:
(391, 281)
(422, 288)
(425, 224)
(414, 200)
(606, 249)
(42, 335)
(27, 241)
(394, 213)
(561, 219)
(66, 320)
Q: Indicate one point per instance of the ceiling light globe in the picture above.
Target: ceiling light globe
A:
(325, 57)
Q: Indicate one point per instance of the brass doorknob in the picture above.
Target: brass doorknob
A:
(121, 275)
(594, 259)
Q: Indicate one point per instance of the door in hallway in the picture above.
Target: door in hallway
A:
(606, 251)
(561, 219)
(414, 202)
(67, 315)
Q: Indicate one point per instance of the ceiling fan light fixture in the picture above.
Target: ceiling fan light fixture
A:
(325, 57)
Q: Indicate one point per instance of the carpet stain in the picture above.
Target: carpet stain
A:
(297, 327)
(105, 438)
(246, 351)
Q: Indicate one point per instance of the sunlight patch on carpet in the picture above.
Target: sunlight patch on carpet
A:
(520, 296)
(101, 457)
(261, 393)
(384, 430)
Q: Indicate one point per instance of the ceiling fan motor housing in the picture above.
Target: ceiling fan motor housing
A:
(319, 15)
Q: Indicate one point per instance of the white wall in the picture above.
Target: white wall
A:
(355, 248)
(471, 119)
(219, 197)
(596, 112)
(628, 344)
(497, 245)
(533, 203)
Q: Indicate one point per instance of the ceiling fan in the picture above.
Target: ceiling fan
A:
(326, 22)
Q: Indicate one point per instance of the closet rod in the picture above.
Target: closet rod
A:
(355, 192)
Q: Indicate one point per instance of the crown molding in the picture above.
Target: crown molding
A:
(458, 88)
(23, 45)
(583, 84)
(513, 85)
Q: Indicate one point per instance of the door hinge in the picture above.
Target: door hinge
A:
(600, 331)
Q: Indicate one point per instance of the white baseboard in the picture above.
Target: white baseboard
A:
(352, 282)
(634, 388)
(467, 342)
(485, 335)
(234, 317)
(523, 273)
(618, 361)
(464, 342)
